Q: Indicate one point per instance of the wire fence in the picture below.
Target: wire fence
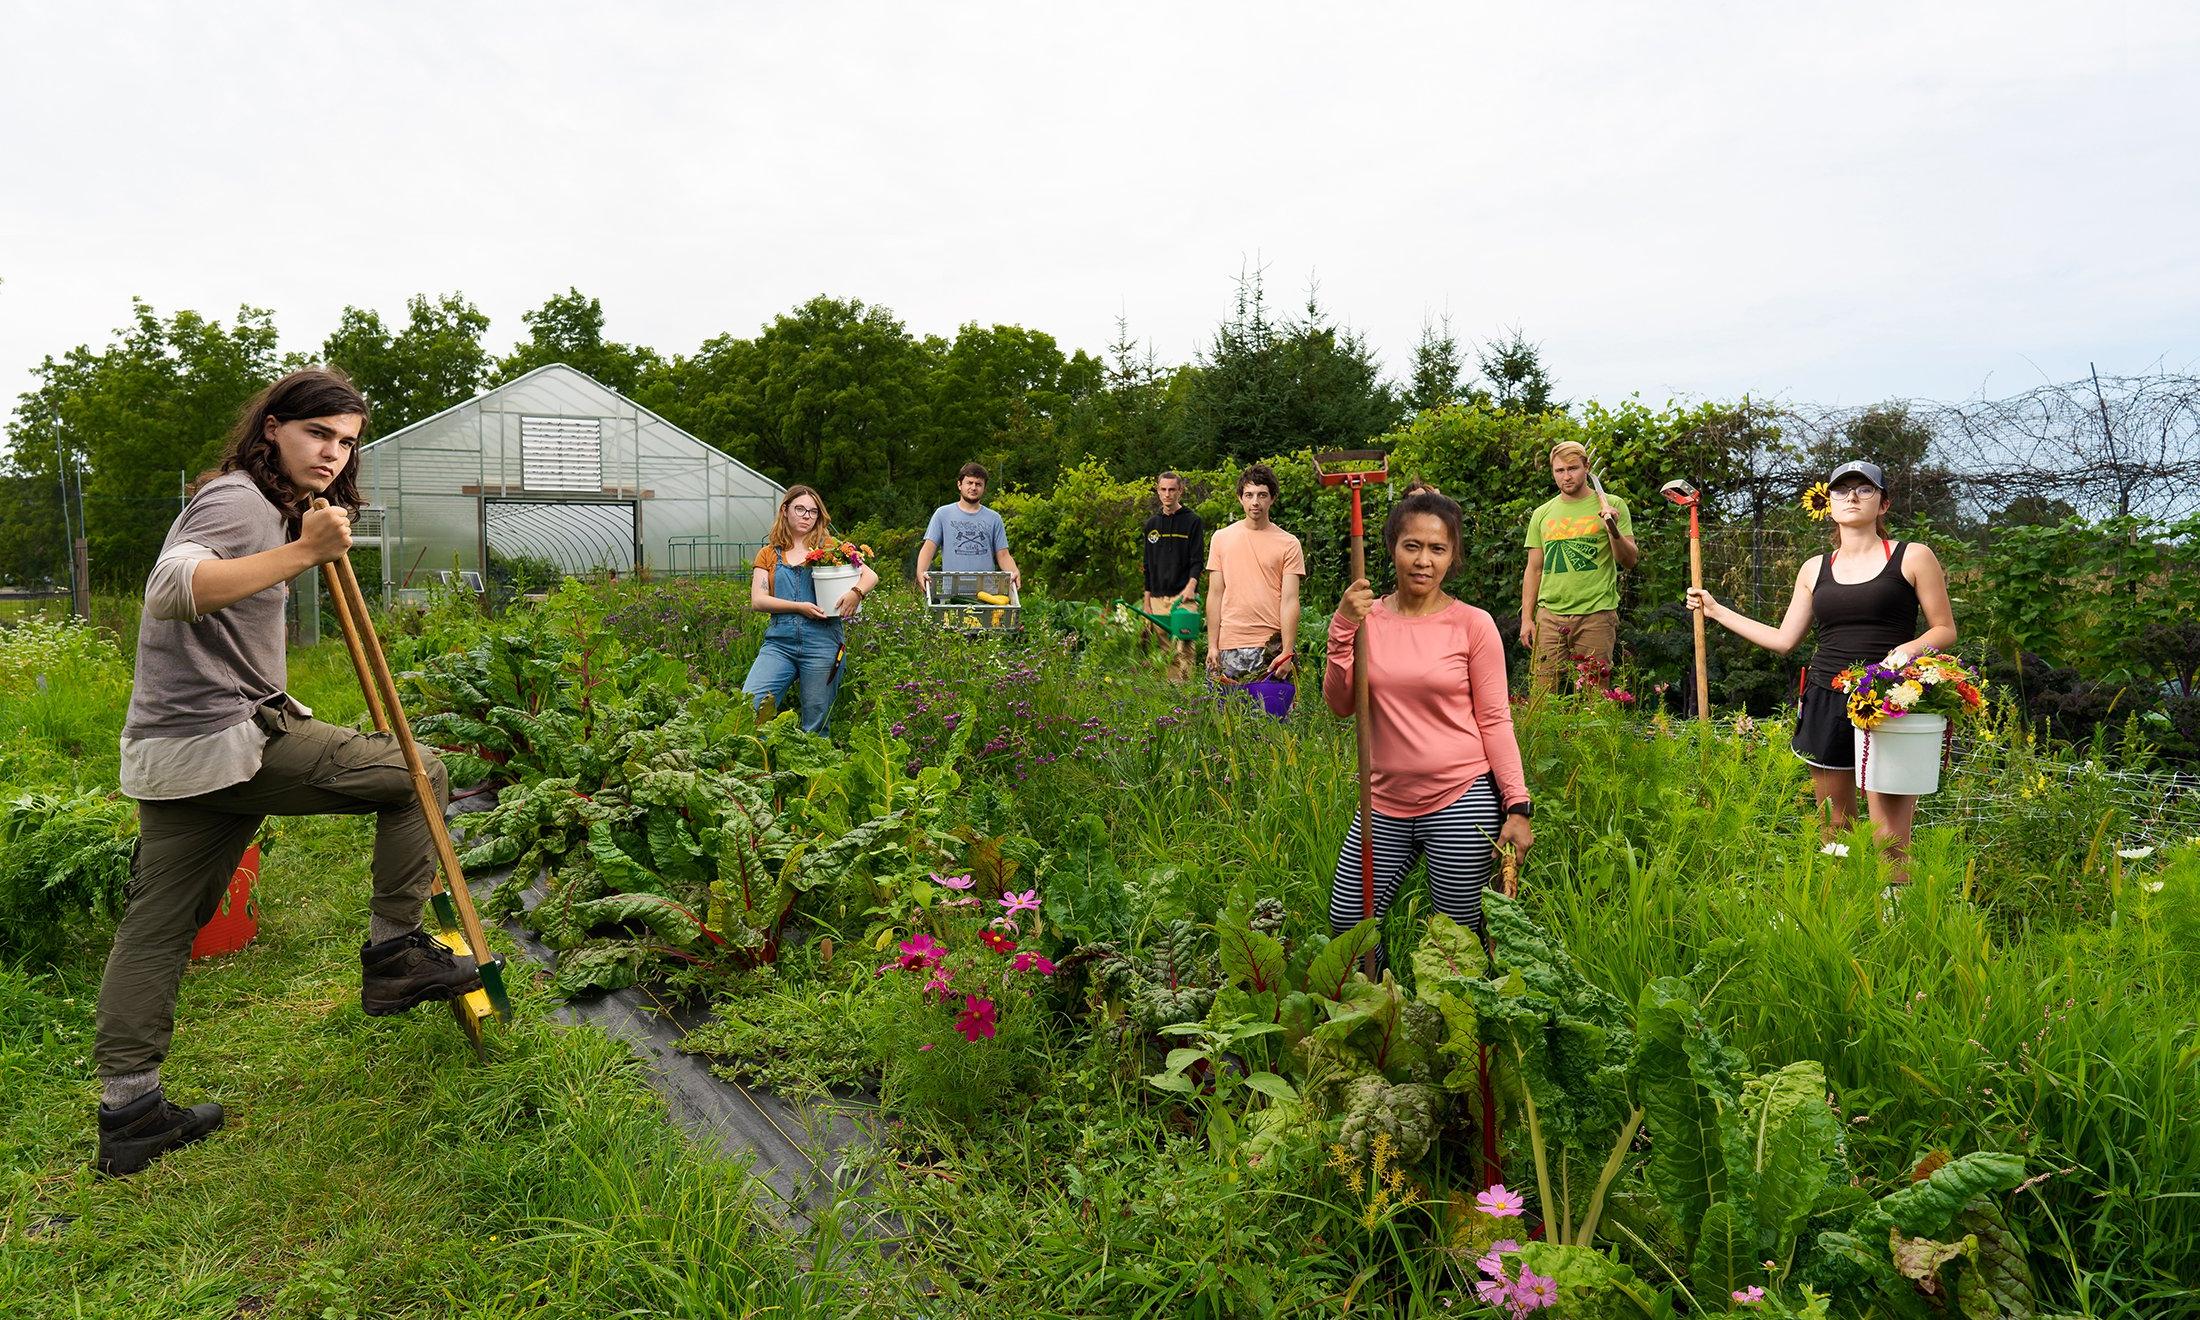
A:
(2144, 807)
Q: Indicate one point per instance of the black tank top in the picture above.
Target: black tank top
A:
(1862, 620)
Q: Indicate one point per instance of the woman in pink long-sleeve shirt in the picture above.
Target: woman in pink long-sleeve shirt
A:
(1446, 774)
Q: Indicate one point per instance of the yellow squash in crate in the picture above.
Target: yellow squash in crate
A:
(991, 599)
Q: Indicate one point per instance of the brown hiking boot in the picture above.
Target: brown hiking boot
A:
(411, 969)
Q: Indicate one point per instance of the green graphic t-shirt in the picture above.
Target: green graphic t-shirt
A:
(1579, 574)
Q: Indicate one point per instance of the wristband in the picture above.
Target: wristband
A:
(1524, 810)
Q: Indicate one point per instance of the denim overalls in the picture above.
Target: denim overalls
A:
(797, 648)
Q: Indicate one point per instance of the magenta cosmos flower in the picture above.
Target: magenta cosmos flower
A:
(976, 1020)
(952, 881)
(921, 951)
(1027, 901)
(1750, 1296)
(1028, 961)
(1500, 1202)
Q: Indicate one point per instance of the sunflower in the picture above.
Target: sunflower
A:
(1818, 502)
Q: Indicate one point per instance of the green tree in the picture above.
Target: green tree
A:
(834, 393)
(1004, 395)
(1513, 366)
(135, 416)
(1919, 486)
(1267, 386)
(569, 329)
(436, 361)
(1438, 369)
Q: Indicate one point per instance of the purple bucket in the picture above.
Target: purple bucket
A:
(1275, 695)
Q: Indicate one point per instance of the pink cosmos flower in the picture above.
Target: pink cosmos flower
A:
(922, 1048)
(1533, 1291)
(1494, 1264)
(1750, 1296)
(1496, 1292)
(921, 951)
(1029, 961)
(1500, 1202)
(938, 984)
(952, 881)
(976, 1020)
(1027, 901)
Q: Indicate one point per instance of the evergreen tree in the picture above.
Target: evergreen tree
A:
(1437, 369)
(1513, 366)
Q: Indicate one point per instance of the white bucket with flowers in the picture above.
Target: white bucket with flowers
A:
(835, 568)
(1903, 709)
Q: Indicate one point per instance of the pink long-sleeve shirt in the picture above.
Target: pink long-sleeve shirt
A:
(1439, 708)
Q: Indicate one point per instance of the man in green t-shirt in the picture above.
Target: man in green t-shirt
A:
(1569, 597)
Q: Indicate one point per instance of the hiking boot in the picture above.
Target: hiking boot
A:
(136, 1134)
(411, 969)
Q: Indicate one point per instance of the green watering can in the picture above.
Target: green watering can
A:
(1183, 622)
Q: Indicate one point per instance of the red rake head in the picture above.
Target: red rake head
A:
(1352, 467)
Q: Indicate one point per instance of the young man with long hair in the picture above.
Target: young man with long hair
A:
(214, 743)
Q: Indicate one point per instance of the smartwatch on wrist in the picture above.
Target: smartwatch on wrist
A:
(1524, 810)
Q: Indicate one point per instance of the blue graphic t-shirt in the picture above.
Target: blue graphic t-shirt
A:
(967, 541)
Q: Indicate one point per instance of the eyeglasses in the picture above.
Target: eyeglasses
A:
(1855, 492)
(808, 510)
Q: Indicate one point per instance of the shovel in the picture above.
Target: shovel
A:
(1688, 497)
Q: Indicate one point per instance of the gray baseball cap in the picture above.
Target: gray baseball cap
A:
(1858, 467)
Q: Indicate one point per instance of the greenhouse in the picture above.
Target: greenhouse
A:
(554, 469)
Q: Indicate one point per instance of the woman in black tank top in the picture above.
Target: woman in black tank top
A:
(1864, 600)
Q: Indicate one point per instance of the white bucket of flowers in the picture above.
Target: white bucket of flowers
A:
(835, 568)
(1901, 709)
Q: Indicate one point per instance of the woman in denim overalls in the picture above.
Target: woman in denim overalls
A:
(804, 636)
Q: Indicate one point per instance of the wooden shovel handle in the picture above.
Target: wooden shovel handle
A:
(374, 667)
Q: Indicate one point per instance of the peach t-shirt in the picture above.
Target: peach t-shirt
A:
(1439, 710)
(1253, 566)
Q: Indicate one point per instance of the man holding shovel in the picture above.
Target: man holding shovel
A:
(214, 743)
(1569, 597)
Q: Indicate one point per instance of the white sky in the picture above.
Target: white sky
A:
(1834, 204)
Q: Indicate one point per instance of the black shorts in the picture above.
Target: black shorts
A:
(1823, 735)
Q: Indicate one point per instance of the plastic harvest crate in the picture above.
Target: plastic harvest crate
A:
(953, 601)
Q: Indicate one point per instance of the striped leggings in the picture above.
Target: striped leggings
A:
(1458, 843)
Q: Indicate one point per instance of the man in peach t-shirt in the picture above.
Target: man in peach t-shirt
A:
(1253, 590)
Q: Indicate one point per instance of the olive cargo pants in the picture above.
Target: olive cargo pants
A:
(188, 849)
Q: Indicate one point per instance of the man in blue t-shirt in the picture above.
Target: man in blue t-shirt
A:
(967, 536)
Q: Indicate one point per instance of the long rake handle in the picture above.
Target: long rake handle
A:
(1695, 579)
(1360, 709)
(360, 637)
